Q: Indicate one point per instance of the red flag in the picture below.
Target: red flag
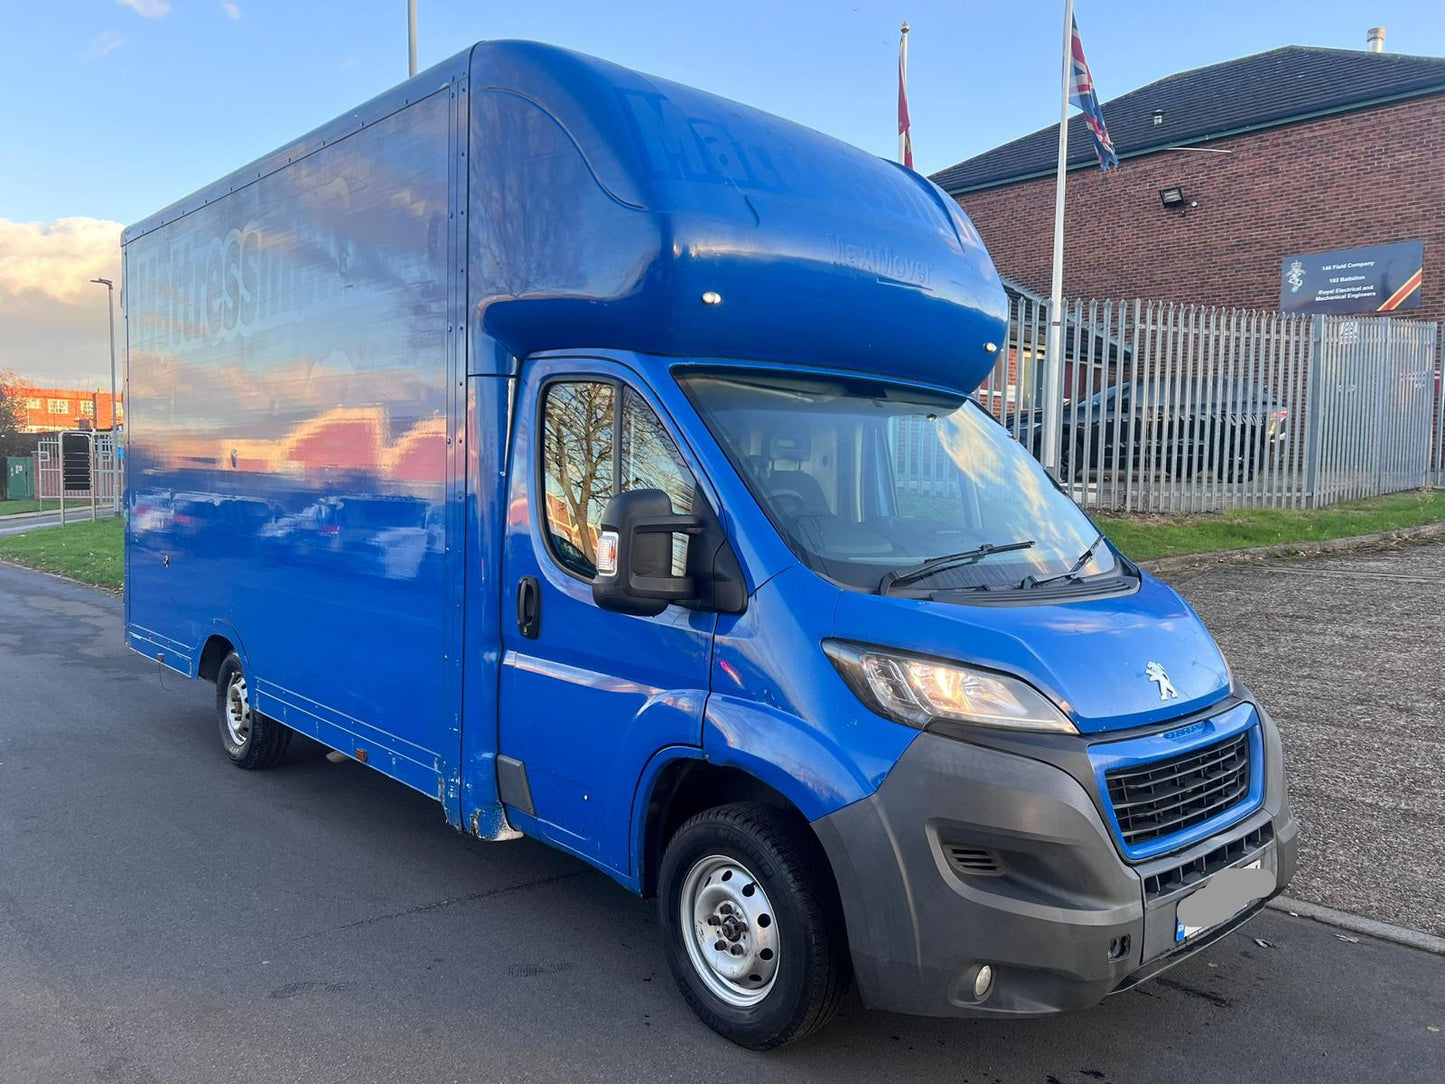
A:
(905, 139)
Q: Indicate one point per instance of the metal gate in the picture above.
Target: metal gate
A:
(47, 467)
(84, 467)
(1372, 410)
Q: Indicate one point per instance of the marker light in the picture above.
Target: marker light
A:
(607, 543)
(916, 691)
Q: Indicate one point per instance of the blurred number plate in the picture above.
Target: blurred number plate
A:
(1228, 892)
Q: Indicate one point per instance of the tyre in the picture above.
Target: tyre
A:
(1071, 460)
(1191, 462)
(1248, 454)
(752, 926)
(249, 739)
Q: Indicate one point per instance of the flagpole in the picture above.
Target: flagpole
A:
(904, 134)
(1053, 348)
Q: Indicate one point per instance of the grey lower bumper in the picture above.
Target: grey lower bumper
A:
(1062, 920)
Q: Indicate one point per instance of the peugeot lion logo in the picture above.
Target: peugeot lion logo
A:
(1155, 673)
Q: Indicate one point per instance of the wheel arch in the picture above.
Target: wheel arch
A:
(685, 785)
(221, 642)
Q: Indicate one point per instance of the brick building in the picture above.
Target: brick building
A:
(1296, 150)
(44, 410)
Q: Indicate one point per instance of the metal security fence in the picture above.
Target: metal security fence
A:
(1437, 441)
(1189, 408)
(1375, 407)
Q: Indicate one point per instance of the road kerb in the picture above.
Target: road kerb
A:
(1188, 562)
(1382, 931)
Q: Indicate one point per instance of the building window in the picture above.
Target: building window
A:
(33, 404)
(87, 408)
(60, 406)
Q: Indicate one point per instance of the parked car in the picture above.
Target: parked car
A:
(1184, 428)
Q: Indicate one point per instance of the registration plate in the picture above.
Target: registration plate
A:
(1228, 892)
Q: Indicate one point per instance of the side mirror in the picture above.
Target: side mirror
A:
(634, 554)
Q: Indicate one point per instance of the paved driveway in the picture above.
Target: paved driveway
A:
(167, 918)
(1348, 652)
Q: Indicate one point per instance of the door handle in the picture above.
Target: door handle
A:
(529, 607)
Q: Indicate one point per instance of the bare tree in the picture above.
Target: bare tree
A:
(586, 464)
(578, 453)
(11, 416)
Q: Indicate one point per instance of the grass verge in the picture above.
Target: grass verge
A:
(89, 552)
(1144, 538)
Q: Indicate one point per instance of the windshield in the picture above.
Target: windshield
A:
(871, 482)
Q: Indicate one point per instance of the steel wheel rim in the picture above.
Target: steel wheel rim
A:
(238, 711)
(730, 930)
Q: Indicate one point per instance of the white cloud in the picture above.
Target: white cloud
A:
(147, 9)
(53, 322)
(232, 10)
(104, 44)
(349, 63)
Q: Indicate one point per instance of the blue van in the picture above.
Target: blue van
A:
(597, 456)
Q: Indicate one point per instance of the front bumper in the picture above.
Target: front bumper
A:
(1041, 893)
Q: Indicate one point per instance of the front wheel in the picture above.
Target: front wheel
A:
(249, 738)
(752, 925)
(1072, 456)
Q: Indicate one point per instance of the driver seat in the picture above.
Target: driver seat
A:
(795, 448)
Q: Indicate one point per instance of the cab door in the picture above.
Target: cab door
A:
(588, 696)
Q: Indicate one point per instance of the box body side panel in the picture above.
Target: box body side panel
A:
(290, 359)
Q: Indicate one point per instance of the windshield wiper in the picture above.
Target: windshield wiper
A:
(1073, 572)
(939, 564)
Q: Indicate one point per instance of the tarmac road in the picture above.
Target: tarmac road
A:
(165, 917)
(15, 523)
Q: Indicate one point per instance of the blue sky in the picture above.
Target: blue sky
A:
(122, 114)
(115, 108)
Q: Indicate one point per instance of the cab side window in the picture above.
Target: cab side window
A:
(650, 461)
(579, 422)
(592, 448)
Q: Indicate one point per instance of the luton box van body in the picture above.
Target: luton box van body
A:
(597, 457)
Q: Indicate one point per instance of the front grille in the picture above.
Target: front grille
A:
(1171, 880)
(1163, 797)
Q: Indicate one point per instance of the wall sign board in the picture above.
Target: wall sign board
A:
(1378, 278)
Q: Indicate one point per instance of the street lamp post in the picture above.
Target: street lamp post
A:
(114, 406)
(411, 36)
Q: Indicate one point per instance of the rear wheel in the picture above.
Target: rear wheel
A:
(249, 739)
(1191, 461)
(752, 925)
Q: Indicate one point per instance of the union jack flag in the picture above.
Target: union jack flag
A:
(1081, 94)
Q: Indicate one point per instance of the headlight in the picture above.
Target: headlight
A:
(917, 691)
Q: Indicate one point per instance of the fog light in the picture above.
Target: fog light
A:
(982, 982)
